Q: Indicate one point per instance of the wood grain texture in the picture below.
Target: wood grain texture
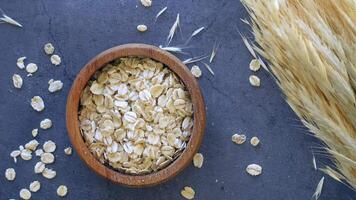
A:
(198, 106)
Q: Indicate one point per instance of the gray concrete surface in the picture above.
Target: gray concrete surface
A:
(81, 29)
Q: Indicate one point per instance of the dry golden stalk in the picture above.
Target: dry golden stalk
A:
(311, 48)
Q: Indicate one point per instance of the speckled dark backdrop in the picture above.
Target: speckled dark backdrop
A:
(81, 29)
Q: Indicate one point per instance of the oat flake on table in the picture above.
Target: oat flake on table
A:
(10, 174)
(146, 3)
(238, 139)
(188, 192)
(254, 169)
(255, 81)
(54, 85)
(37, 103)
(25, 194)
(62, 190)
(142, 28)
(17, 81)
(198, 160)
(35, 186)
(46, 124)
(48, 48)
(56, 60)
(20, 62)
(31, 68)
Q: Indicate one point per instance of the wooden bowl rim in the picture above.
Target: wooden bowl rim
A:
(183, 73)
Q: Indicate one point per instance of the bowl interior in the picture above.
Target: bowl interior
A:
(198, 107)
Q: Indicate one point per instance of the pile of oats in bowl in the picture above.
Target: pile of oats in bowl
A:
(136, 115)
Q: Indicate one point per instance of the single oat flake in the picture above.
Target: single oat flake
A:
(34, 132)
(68, 151)
(142, 28)
(49, 173)
(62, 190)
(146, 3)
(198, 160)
(21, 62)
(26, 154)
(55, 60)
(31, 68)
(54, 85)
(238, 139)
(188, 192)
(48, 48)
(196, 71)
(39, 167)
(255, 65)
(46, 124)
(17, 81)
(47, 158)
(15, 154)
(254, 141)
(25, 194)
(254, 169)
(31, 145)
(35, 186)
(254, 81)
(37, 103)
(49, 146)
(10, 174)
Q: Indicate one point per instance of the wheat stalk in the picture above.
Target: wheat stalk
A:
(311, 50)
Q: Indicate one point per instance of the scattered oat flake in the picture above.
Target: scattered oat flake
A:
(31, 68)
(48, 48)
(254, 169)
(198, 160)
(31, 145)
(49, 173)
(255, 65)
(254, 141)
(62, 190)
(39, 167)
(20, 62)
(46, 124)
(37, 103)
(55, 86)
(49, 146)
(319, 189)
(254, 81)
(25, 194)
(17, 81)
(39, 152)
(238, 139)
(142, 28)
(15, 154)
(188, 192)
(47, 158)
(196, 71)
(35, 186)
(34, 132)
(55, 60)
(146, 3)
(26, 154)
(10, 174)
(68, 151)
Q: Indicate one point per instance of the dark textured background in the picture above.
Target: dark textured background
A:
(81, 29)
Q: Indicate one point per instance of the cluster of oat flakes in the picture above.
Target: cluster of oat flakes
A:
(46, 153)
(136, 115)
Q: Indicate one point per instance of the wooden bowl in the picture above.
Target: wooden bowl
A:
(176, 66)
